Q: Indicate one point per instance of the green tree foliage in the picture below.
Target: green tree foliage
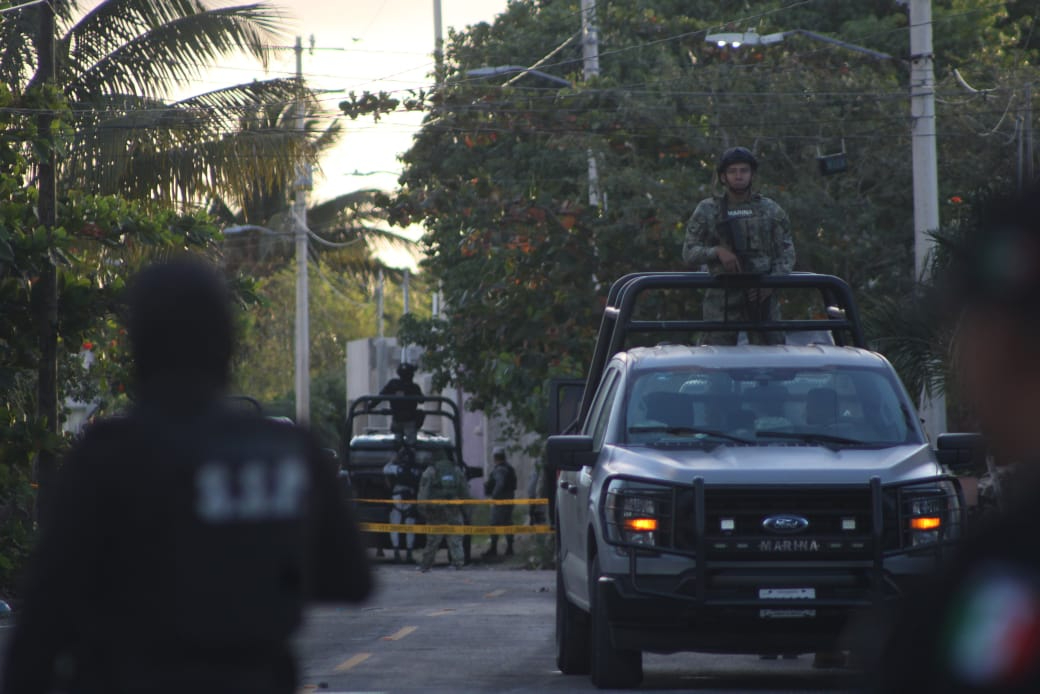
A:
(98, 243)
(498, 174)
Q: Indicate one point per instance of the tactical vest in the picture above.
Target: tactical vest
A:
(749, 232)
(447, 479)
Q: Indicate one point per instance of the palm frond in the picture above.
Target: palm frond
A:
(153, 50)
(325, 213)
(915, 338)
(232, 105)
(17, 51)
(175, 157)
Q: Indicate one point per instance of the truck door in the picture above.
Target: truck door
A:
(574, 511)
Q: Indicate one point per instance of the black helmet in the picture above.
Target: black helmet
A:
(406, 370)
(181, 322)
(737, 155)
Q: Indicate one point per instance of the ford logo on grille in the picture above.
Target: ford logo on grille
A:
(785, 524)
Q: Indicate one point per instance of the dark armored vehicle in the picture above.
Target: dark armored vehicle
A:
(368, 451)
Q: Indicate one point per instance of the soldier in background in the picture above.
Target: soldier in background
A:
(739, 232)
(976, 627)
(405, 418)
(403, 474)
(500, 485)
(186, 537)
(443, 480)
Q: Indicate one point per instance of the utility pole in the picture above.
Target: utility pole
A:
(299, 214)
(925, 171)
(45, 289)
(590, 60)
(438, 39)
(1027, 125)
(406, 303)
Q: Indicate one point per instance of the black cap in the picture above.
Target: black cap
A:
(997, 263)
(737, 155)
(406, 370)
(180, 323)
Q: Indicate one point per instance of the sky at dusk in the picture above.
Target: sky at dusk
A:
(364, 45)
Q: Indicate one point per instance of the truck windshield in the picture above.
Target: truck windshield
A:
(837, 407)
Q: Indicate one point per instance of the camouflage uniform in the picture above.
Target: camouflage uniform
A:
(443, 480)
(759, 233)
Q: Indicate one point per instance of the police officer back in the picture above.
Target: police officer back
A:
(186, 537)
(976, 625)
(739, 231)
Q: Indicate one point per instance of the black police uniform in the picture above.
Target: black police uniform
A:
(183, 539)
(403, 411)
(180, 556)
(975, 627)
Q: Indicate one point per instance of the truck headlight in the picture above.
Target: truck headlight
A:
(930, 514)
(635, 512)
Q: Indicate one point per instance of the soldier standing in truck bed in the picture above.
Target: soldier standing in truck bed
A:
(739, 232)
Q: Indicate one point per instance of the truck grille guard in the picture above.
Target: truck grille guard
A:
(893, 503)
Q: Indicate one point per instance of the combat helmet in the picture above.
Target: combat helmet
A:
(736, 155)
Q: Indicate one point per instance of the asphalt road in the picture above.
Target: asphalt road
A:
(491, 630)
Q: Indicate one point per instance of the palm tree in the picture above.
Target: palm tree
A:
(117, 64)
(348, 230)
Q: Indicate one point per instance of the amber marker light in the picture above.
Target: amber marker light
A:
(641, 525)
(926, 523)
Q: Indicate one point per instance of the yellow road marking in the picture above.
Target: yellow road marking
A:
(400, 634)
(495, 593)
(307, 688)
(353, 661)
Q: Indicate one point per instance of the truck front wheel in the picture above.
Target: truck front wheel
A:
(612, 668)
(572, 632)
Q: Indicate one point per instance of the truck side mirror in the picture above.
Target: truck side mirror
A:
(570, 453)
(962, 453)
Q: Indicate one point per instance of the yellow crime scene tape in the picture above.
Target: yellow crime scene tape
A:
(457, 502)
(425, 529)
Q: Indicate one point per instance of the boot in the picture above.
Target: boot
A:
(491, 551)
(509, 549)
(397, 556)
(409, 559)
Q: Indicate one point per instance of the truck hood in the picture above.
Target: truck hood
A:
(774, 464)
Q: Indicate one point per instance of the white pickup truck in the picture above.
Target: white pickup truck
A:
(744, 498)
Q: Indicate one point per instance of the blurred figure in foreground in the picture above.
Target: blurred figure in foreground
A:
(186, 537)
(976, 627)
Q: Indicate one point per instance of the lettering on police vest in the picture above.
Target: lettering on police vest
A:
(257, 491)
(788, 546)
(741, 213)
